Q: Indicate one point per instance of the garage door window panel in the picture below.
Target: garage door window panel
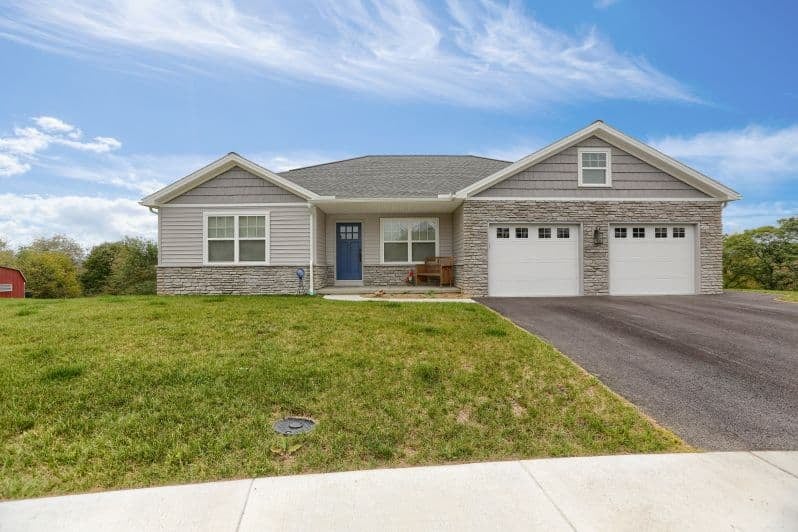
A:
(544, 232)
(521, 232)
(563, 232)
(620, 232)
(638, 232)
(678, 232)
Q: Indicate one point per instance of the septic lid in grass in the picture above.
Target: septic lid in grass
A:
(294, 425)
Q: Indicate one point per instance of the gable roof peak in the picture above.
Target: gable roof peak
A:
(620, 140)
(217, 167)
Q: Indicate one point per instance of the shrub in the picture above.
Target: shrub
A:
(50, 274)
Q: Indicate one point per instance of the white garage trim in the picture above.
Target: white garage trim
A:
(666, 266)
(534, 266)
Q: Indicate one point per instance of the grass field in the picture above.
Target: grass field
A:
(139, 391)
(781, 295)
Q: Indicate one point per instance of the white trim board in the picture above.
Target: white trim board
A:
(616, 138)
(233, 205)
(588, 200)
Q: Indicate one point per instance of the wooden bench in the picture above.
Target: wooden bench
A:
(440, 268)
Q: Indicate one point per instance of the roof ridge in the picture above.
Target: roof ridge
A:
(324, 164)
(396, 155)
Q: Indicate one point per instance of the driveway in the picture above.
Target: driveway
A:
(720, 371)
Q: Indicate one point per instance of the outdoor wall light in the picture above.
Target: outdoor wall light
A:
(597, 240)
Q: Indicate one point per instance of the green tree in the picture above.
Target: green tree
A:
(7, 256)
(765, 257)
(59, 243)
(98, 266)
(121, 268)
(50, 274)
(134, 271)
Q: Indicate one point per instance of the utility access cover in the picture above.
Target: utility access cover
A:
(294, 425)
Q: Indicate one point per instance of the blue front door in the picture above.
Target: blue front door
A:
(348, 256)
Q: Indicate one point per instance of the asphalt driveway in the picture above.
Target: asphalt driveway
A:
(720, 371)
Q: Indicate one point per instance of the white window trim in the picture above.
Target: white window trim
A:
(236, 214)
(410, 222)
(608, 153)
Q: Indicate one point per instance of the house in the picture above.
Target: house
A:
(594, 213)
(12, 282)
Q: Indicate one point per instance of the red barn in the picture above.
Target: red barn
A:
(12, 282)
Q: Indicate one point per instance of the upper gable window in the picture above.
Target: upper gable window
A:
(595, 167)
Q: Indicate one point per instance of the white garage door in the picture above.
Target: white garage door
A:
(652, 259)
(533, 260)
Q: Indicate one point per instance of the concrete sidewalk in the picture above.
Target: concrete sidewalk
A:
(712, 491)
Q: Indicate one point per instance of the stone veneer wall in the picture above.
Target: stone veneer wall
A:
(239, 280)
(472, 269)
(385, 275)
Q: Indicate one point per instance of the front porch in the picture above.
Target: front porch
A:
(362, 247)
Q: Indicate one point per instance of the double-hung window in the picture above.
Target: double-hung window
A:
(595, 167)
(236, 238)
(408, 240)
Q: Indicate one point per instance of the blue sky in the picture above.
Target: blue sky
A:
(104, 102)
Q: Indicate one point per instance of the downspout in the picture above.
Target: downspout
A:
(312, 218)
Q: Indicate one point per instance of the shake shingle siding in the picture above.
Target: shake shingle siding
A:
(557, 177)
(236, 186)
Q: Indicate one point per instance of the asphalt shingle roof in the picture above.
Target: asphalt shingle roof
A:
(394, 176)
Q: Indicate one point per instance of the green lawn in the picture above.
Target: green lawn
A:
(781, 295)
(139, 391)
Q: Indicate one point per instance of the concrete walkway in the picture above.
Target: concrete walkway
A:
(388, 298)
(712, 491)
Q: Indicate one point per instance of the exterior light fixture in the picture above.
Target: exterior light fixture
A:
(597, 239)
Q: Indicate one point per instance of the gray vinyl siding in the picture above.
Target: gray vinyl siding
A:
(371, 233)
(236, 186)
(182, 234)
(557, 176)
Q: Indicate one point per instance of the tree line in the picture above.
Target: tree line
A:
(59, 267)
(765, 257)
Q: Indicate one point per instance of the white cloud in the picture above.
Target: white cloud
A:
(26, 144)
(739, 216)
(53, 124)
(89, 220)
(10, 165)
(481, 54)
(752, 156)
